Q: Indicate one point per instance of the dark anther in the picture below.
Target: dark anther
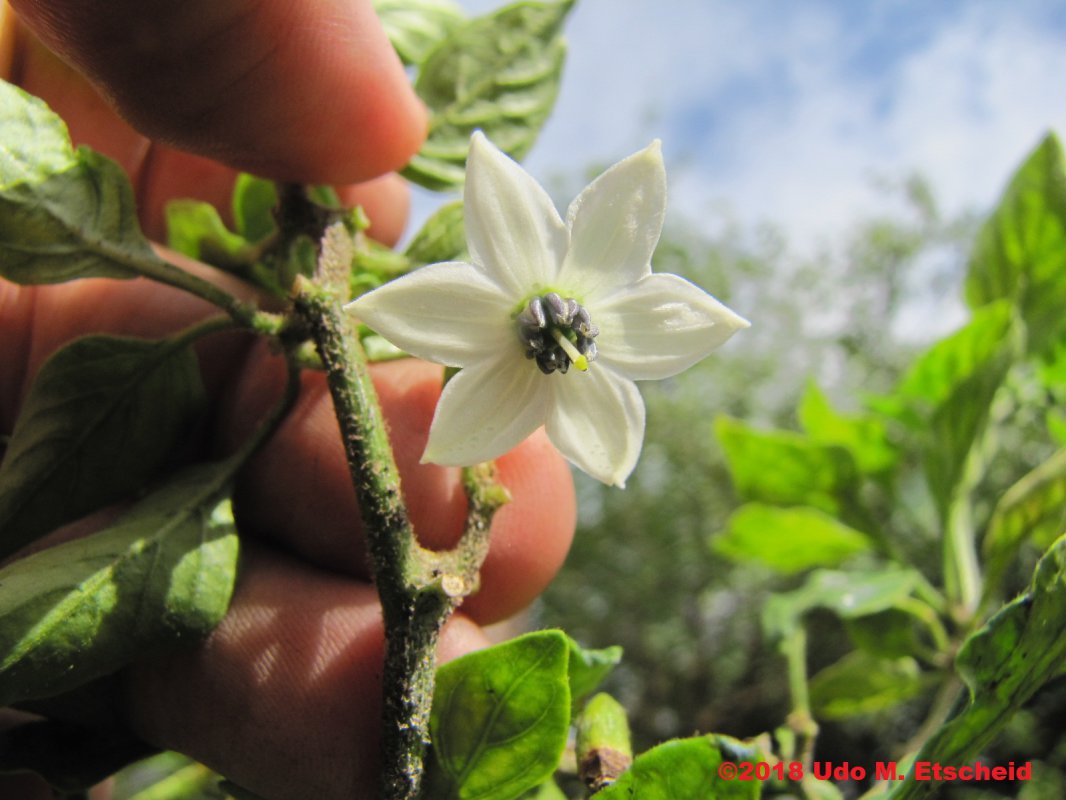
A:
(544, 320)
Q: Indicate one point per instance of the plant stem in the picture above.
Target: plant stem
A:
(418, 588)
(411, 622)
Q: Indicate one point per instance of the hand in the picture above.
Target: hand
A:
(284, 696)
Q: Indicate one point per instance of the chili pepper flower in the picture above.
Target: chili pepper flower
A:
(551, 322)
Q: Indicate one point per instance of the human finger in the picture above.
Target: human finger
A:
(284, 696)
(160, 173)
(298, 493)
(311, 92)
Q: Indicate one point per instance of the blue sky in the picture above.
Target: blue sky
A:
(787, 110)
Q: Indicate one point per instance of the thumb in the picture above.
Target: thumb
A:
(295, 91)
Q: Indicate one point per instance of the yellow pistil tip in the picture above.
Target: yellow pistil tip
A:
(579, 361)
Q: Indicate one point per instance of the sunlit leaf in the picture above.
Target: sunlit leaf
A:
(63, 214)
(785, 468)
(946, 395)
(1033, 509)
(500, 719)
(788, 540)
(1004, 664)
(1020, 253)
(499, 74)
(849, 595)
(546, 791)
(588, 668)
(161, 575)
(862, 436)
(687, 769)
(102, 416)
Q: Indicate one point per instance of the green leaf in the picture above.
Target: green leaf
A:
(415, 27)
(500, 718)
(687, 769)
(441, 238)
(63, 214)
(849, 595)
(860, 683)
(36, 143)
(788, 540)
(785, 468)
(197, 230)
(160, 576)
(1034, 508)
(898, 631)
(546, 791)
(254, 200)
(498, 73)
(862, 436)
(946, 395)
(588, 668)
(1004, 664)
(1020, 254)
(103, 415)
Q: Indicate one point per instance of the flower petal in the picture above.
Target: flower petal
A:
(485, 410)
(615, 224)
(512, 227)
(450, 313)
(660, 326)
(597, 422)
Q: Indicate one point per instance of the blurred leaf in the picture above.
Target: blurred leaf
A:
(1034, 508)
(500, 719)
(864, 437)
(861, 683)
(161, 575)
(946, 395)
(63, 214)
(785, 468)
(687, 769)
(197, 230)
(1056, 425)
(1004, 664)
(254, 200)
(441, 238)
(588, 668)
(849, 595)
(788, 540)
(546, 791)
(415, 27)
(499, 74)
(896, 632)
(102, 416)
(1020, 253)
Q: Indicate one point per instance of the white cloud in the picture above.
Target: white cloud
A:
(785, 111)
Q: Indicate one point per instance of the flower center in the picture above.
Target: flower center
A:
(557, 333)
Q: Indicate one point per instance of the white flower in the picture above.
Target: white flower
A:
(542, 295)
